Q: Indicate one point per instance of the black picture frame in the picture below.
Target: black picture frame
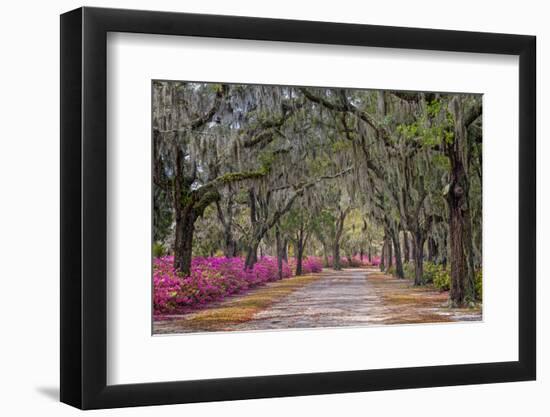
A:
(84, 207)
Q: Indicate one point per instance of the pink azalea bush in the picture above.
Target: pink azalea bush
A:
(213, 279)
(356, 262)
(311, 265)
(375, 261)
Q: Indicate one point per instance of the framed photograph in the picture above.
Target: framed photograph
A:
(259, 208)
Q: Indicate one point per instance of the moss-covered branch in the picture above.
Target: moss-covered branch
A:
(348, 107)
(232, 177)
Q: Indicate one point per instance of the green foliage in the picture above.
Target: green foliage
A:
(449, 136)
(408, 270)
(245, 175)
(441, 161)
(479, 284)
(408, 131)
(442, 279)
(434, 107)
(434, 274)
(341, 146)
(213, 88)
(158, 250)
(430, 270)
(391, 270)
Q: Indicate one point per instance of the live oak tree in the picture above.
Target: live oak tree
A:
(204, 137)
(462, 112)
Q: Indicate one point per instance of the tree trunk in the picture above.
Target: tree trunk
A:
(336, 256)
(432, 249)
(252, 250)
(185, 217)
(183, 245)
(337, 237)
(279, 249)
(299, 256)
(462, 276)
(325, 255)
(389, 251)
(406, 248)
(398, 263)
(251, 255)
(462, 280)
(226, 220)
(444, 252)
(370, 254)
(383, 257)
(230, 246)
(458, 261)
(418, 258)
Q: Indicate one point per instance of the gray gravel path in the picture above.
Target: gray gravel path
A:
(341, 298)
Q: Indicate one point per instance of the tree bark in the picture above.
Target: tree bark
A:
(444, 252)
(226, 220)
(398, 263)
(251, 255)
(299, 257)
(301, 239)
(432, 249)
(389, 251)
(418, 245)
(383, 257)
(279, 249)
(337, 237)
(370, 254)
(406, 248)
(183, 246)
(462, 276)
(325, 255)
(336, 256)
(185, 215)
(230, 246)
(254, 242)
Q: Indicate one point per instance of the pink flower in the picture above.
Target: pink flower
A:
(212, 279)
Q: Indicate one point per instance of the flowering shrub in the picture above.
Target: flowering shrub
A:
(213, 279)
(356, 262)
(166, 285)
(312, 265)
(375, 261)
